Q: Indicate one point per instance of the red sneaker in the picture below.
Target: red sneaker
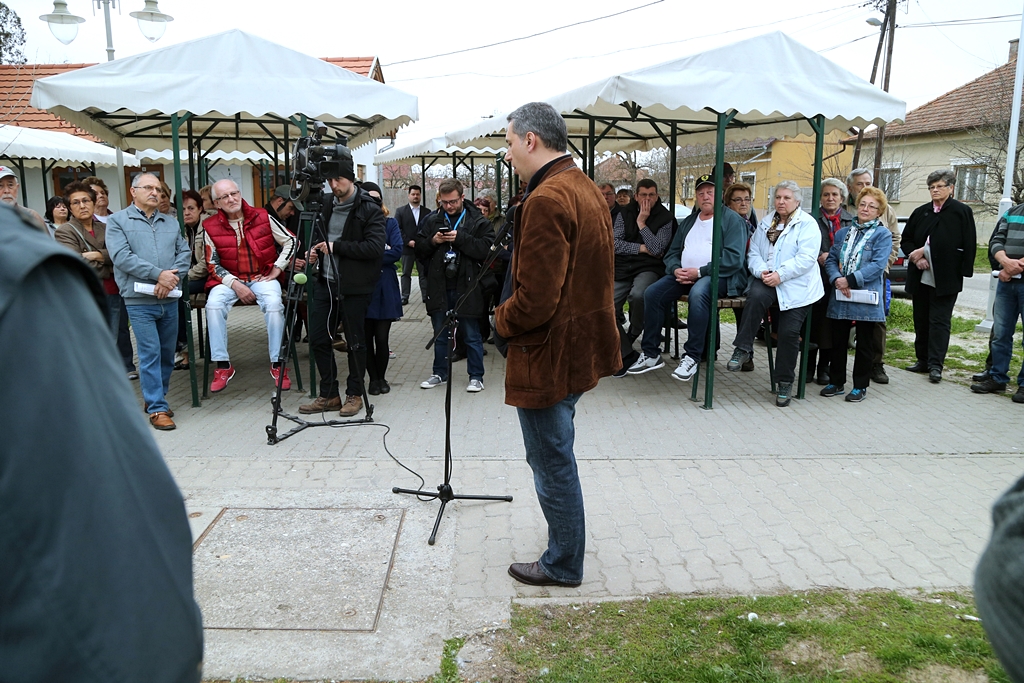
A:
(221, 377)
(286, 383)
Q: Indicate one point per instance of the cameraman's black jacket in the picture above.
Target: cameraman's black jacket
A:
(359, 252)
(472, 244)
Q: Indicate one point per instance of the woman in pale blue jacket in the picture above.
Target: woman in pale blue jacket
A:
(856, 268)
(783, 260)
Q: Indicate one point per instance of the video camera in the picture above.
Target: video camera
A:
(314, 162)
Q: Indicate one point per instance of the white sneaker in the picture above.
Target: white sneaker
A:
(687, 368)
(431, 382)
(475, 385)
(646, 363)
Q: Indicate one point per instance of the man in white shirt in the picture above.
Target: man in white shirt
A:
(688, 271)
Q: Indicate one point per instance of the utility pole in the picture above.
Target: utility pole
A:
(888, 27)
(890, 13)
(874, 72)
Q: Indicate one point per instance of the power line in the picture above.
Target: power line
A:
(620, 51)
(532, 35)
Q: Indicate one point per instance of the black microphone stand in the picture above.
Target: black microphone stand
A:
(311, 224)
(444, 492)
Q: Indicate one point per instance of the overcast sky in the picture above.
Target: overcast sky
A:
(454, 90)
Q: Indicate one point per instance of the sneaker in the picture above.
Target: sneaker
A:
(988, 386)
(321, 405)
(739, 357)
(286, 383)
(856, 395)
(475, 386)
(834, 390)
(133, 375)
(646, 363)
(1019, 396)
(878, 375)
(353, 404)
(782, 396)
(431, 382)
(221, 377)
(627, 362)
(687, 368)
(392, 355)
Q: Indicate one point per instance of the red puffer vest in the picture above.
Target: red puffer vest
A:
(257, 234)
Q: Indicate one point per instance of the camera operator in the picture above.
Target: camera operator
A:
(455, 241)
(355, 238)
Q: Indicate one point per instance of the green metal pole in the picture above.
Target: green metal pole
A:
(716, 259)
(673, 138)
(818, 124)
(176, 122)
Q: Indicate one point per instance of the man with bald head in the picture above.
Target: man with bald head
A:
(247, 249)
(148, 249)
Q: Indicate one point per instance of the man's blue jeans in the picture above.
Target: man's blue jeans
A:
(470, 332)
(548, 434)
(662, 295)
(156, 332)
(1006, 310)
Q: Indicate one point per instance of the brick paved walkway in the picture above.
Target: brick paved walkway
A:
(748, 498)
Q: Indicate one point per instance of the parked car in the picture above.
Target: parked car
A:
(898, 270)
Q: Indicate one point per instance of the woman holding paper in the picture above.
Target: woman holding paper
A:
(856, 268)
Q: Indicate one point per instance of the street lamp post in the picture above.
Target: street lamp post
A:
(64, 27)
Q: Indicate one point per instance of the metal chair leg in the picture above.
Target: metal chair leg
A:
(767, 326)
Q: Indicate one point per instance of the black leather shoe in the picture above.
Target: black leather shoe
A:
(917, 367)
(988, 386)
(374, 388)
(531, 574)
(980, 376)
(384, 386)
(935, 375)
(405, 301)
(878, 375)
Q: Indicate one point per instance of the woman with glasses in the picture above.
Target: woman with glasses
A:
(939, 240)
(856, 270)
(56, 214)
(740, 197)
(86, 236)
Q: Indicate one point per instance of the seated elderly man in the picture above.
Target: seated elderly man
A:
(246, 251)
(688, 268)
(642, 230)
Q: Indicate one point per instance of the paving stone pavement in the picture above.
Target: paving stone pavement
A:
(894, 492)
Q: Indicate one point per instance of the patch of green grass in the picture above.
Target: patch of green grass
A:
(449, 666)
(816, 636)
(981, 263)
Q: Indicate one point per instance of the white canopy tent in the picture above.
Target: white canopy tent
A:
(128, 102)
(262, 99)
(32, 143)
(45, 149)
(775, 84)
(768, 86)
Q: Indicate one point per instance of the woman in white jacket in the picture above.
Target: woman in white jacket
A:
(782, 258)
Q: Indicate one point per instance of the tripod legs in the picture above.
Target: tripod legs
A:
(445, 494)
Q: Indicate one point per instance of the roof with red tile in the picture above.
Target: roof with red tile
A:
(16, 90)
(972, 105)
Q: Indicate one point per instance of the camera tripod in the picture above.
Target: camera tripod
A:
(445, 493)
(311, 224)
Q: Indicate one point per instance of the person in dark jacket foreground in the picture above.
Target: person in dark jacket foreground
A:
(95, 548)
(999, 582)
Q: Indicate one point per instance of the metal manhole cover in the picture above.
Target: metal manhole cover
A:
(296, 569)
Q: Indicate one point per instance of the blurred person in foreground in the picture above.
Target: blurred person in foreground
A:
(560, 316)
(95, 548)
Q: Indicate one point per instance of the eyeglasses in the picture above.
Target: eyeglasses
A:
(80, 202)
(937, 186)
(445, 202)
(740, 200)
(147, 188)
(229, 195)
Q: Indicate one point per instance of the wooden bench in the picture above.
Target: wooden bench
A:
(739, 302)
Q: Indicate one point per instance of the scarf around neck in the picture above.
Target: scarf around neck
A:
(853, 248)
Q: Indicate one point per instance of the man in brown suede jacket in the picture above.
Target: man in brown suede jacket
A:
(560, 325)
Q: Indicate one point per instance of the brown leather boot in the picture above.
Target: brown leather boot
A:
(353, 404)
(321, 405)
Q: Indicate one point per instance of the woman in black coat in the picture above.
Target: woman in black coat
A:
(939, 240)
